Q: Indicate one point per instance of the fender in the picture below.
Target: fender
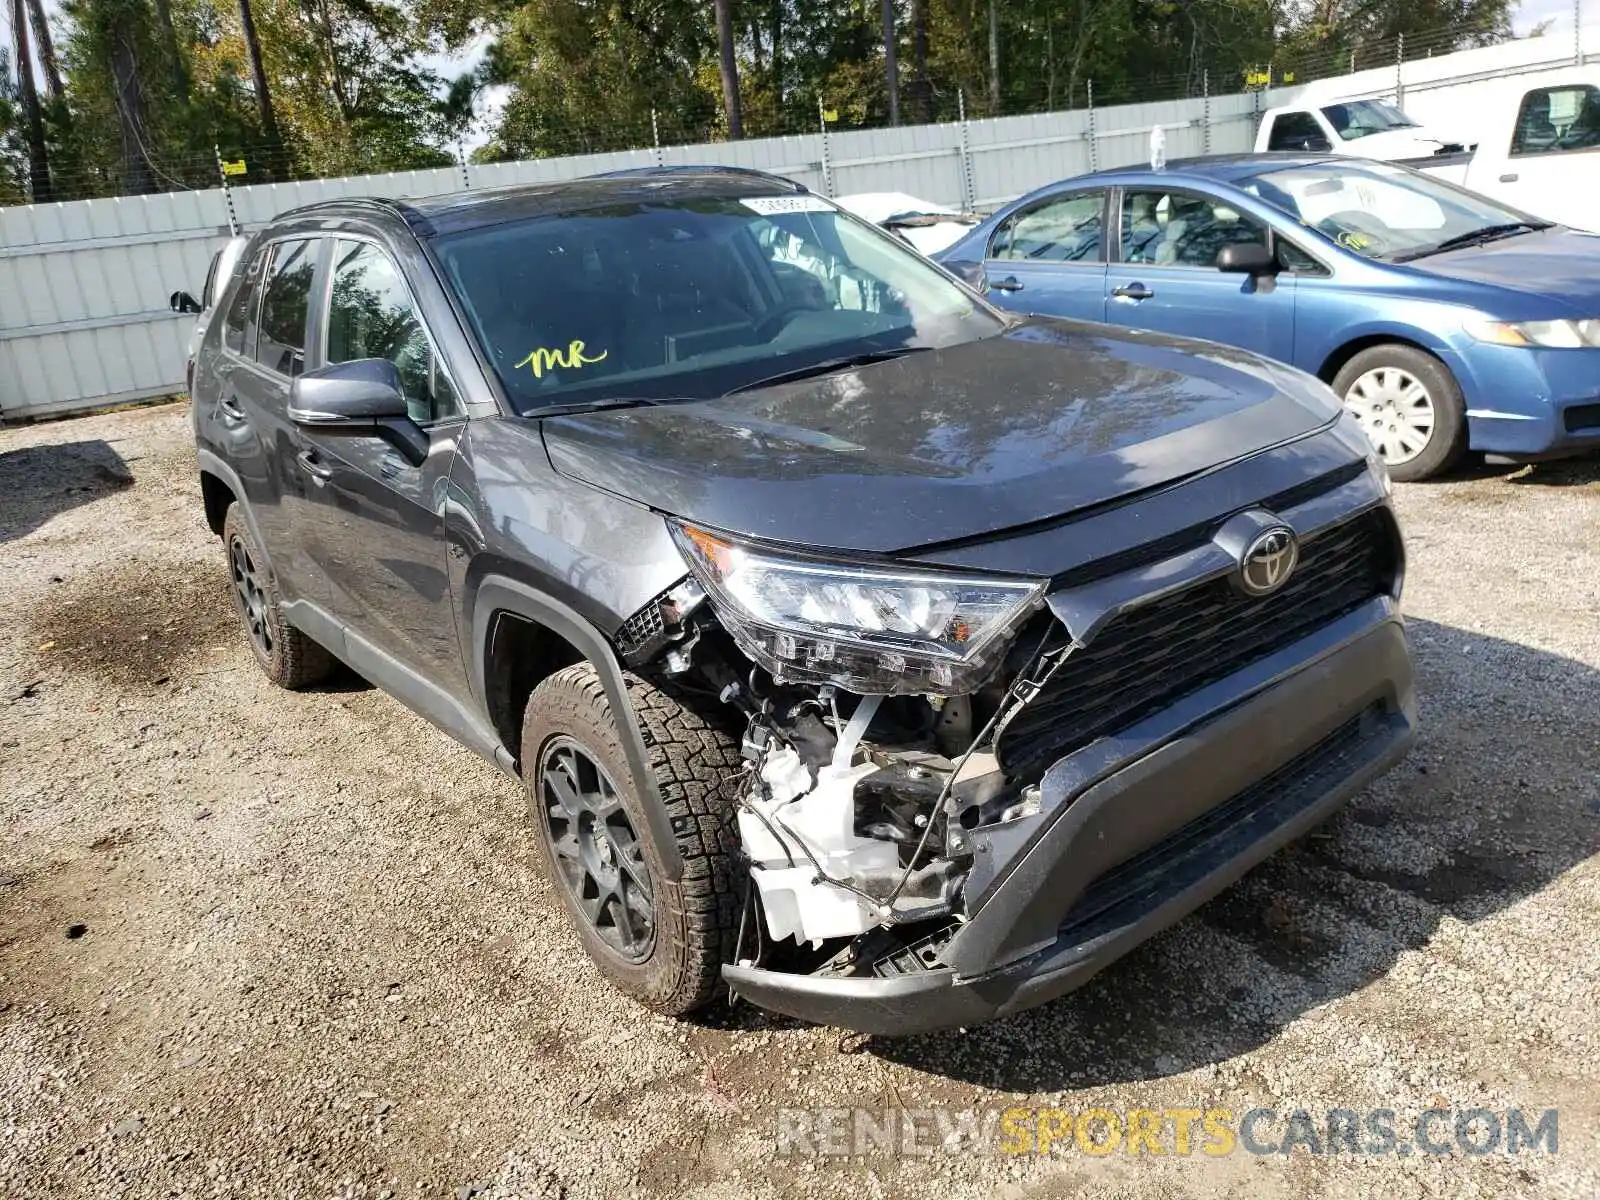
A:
(211, 464)
(497, 594)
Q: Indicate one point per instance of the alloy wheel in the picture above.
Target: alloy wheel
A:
(597, 852)
(252, 599)
(1395, 410)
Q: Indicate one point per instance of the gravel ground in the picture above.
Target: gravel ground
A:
(262, 944)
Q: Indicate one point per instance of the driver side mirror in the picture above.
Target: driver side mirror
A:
(1247, 258)
(362, 397)
(182, 302)
(970, 273)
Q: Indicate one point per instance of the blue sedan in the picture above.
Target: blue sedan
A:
(1445, 321)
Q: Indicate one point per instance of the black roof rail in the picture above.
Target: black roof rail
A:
(700, 169)
(383, 203)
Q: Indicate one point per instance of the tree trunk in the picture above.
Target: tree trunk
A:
(730, 68)
(258, 73)
(336, 79)
(46, 48)
(994, 58)
(775, 39)
(138, 176)
(755, 42)
(169, 43)
(891, 62)
(33, 122)
(921, 89)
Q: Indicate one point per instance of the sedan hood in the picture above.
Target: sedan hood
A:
(1561, 264)
(1035, 423)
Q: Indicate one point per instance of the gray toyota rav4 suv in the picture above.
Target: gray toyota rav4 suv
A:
(882, 658)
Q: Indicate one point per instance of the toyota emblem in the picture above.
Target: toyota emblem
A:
(1268, 560)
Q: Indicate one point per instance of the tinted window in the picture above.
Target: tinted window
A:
(693, 298)
(238, 332)
(1179, 230)
(281, 345)
(1062, 230)
(371, 315)
(1296, 131)
(1552, 120)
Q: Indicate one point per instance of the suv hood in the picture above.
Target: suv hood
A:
(1042, 420)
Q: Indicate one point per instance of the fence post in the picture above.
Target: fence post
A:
(827, 164)
(969, 193)
(1577, 33)
(227, 192)
(1399, 80)
(1205, 112)
(1094, 151)
(461, 161)
(655, 132)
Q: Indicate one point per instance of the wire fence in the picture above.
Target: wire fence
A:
(799, 113)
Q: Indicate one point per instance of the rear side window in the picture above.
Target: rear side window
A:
(238, 330)
(1296, 131)
(281, 346)
(1552, 120)
(1066, 229)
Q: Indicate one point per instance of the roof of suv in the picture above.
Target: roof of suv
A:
(455, 211)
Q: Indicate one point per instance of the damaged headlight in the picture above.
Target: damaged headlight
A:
(873, 631)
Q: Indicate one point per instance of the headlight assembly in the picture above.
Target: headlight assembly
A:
(873, 631)
(1550, 335)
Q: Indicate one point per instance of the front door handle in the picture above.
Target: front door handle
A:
(311, 462)
(1009, 284)
(1133, 291)
(1512, 178)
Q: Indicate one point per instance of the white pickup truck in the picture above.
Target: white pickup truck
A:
(1537, 140)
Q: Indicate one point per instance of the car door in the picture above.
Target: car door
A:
(244, 414)
(1553, 161)
(1165, 276)
(375, 527)
(1049, 257)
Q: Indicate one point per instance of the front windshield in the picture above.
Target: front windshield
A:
(691, 299)
(1361, 118)
(1382, 210)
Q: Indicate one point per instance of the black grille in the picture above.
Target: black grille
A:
(1154, 654)
(641, 628)
(1581, 417)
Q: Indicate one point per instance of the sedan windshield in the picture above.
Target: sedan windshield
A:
(1360, 118)
(691, 299)
(1386, 211)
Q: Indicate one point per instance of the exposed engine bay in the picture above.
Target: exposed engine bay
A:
(856, 811)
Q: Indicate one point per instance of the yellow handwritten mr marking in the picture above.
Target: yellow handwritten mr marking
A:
(544, 359)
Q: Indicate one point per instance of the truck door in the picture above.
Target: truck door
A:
(1542, 169)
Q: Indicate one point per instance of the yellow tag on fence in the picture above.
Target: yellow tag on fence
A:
(234, 167)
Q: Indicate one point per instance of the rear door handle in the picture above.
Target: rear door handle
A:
(1509, 178)
(311, 462)
(1009, 284)
(1133, 291)
(232, 411)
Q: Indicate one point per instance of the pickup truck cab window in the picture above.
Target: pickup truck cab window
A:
(1297, 131)
(1556, 119)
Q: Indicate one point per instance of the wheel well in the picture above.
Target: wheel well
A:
(217, 496)
(520, 654)
(1336, 361)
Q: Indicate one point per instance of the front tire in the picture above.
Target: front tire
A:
(285, 655)
(663, 943)
(1409, 407)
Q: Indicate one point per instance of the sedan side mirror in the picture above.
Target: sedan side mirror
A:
(1247, 258)
(360, 397)
(182, 302)
(970, 273)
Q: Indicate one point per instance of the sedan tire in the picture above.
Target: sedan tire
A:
(1409, 406)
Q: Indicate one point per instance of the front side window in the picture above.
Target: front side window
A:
(1296, 131)
(1356, 119)
(285, 302)
(693, 298)
(1552, 120)
(1066, 229)
(1177, 229)
(1383, 210)
(238, 327)
(371, 315)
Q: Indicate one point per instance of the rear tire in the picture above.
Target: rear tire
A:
(597, 843)
(1409, 406)
(285, 655)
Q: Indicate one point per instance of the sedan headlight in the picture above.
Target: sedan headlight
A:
(1552, 335)
(876, 632)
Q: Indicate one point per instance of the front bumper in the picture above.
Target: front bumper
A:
(1137, 831)
(1527, 403)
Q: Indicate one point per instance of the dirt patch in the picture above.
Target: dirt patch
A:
(135, 624)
